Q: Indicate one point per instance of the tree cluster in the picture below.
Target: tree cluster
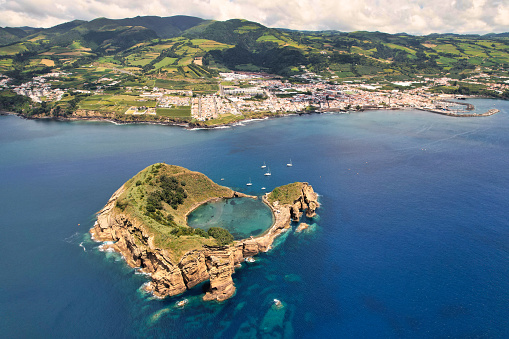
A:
(171, 192)
(222, 236)
(12, 101)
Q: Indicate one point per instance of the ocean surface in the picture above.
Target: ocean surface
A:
(411, 241)
(242, 217)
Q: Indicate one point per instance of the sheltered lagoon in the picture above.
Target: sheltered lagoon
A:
(242, 217)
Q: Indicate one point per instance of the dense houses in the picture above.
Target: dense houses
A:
(3, 81)
(283, 97)
(258, 92)
(39, 89)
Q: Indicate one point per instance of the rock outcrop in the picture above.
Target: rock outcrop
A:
(308, 201)
(171, 276)
(302, 226)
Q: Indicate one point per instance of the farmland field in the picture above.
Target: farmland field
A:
(178, 111)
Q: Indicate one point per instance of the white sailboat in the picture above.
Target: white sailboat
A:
(263, 166)
(289, 164)
(249, 183)
(268, 172)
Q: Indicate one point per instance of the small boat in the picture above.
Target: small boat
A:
(278, 303)
(222, 179)
(263, 166)
(268, 172)
(249, 183)
(263, 188)
(182, 303)
(289, 164)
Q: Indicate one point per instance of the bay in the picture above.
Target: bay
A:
(412, 239)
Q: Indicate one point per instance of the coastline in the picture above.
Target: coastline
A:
(203, 126)
(2, 112)
(189, 126)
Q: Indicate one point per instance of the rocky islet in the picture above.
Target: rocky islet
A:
(173, 274)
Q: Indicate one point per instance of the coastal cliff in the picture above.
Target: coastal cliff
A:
(180, 263)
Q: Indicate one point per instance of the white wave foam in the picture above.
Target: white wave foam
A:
(92, 235)
(144, 288)
(138, 271)
(106, 247)
(81, 245)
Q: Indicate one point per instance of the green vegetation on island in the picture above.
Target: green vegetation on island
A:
(286, 194)
(145, 221)
(161, 196)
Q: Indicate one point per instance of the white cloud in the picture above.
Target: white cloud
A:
(411, 16)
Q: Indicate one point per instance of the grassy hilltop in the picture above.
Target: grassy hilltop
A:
(155, 45)
(286, 194)
(161, 196)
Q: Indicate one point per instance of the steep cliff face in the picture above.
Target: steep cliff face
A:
(171, 277)
(220, 263)
(308, 202)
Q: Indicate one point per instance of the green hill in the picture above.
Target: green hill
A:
(165, 28)
(188, 49)
(9, 35)
(234, 32)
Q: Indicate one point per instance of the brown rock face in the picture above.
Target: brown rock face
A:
(250, 248)
(310, 212)
(311, 199)
(220, 263)
(214, 263)
(308, 201)
(296, 211)
(193, 267)
(167, 280)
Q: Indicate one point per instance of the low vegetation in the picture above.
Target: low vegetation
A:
(161, 196)
(286, 194)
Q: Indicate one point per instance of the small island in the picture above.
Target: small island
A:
(146, 222)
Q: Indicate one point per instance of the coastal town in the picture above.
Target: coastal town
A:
(242, 93)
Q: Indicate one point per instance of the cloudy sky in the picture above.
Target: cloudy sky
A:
(392, 16)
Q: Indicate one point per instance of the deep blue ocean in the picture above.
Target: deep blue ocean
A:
(411, 241)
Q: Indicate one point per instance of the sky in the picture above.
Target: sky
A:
(418, 17)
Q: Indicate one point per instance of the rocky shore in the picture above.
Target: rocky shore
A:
(171, 276)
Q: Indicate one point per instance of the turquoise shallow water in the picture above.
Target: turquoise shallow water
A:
(242, 217)
(412, 239)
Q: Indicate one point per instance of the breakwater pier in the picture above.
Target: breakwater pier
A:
(459, 113)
